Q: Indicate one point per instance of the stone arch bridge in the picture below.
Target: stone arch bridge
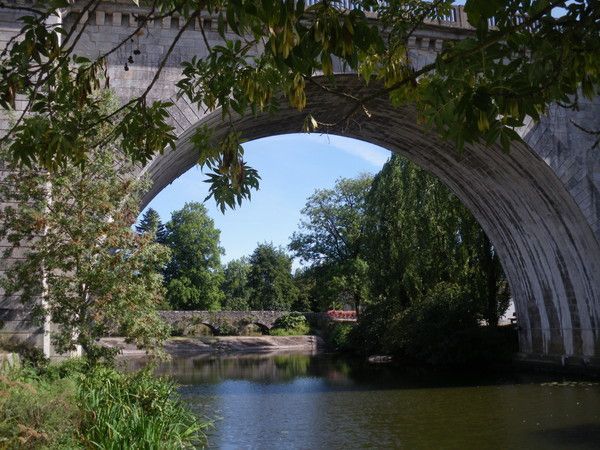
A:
(539, 203)
(218, 321)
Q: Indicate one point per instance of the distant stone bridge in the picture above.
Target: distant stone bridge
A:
(218, 321)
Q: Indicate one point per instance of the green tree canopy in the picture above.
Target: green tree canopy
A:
(428, 258)
(270, 279)
(93, 274)
(331, 238)
(152, 225)
(194, 274)
(333, 224)
(235, 285)
(479, 88)
(419, 234)
(413, 232)
(309, 290)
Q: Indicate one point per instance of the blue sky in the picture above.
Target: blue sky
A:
(291, 166)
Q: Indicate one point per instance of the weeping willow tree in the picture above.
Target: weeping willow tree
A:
(422, 244)
(420, 235)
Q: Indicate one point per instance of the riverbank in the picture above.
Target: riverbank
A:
(191, 346)
(72, 405)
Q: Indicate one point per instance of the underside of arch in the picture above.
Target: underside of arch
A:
(549, 252)
(264, 328)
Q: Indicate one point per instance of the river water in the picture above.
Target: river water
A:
(325, 402)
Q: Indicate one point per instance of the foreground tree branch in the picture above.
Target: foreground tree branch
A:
(480, 88)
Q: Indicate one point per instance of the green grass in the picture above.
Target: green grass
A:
(70, 406)
(136, 411)
(297, 331)
(36, 412)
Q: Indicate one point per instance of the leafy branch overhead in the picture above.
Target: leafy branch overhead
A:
(478, 89)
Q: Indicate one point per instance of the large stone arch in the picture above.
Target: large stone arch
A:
(549, 250)
(540, 204)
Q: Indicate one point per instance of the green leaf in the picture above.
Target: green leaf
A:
(478, 10)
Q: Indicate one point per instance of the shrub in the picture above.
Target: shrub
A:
(72, 406)
(371, 332)
(442, 329)
(74, 368)
(29, 353)
(226, 329)
(178, 328)
(36, 412)
(340, 336)
(292, 324)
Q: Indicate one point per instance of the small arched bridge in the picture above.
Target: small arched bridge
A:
(224, 321)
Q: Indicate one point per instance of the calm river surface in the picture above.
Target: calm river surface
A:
(322, 402)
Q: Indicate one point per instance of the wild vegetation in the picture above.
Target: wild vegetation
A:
(74, 405)
(422, 273)
(290, 325)
(79, 254)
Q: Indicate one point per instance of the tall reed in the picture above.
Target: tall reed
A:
(135, 411)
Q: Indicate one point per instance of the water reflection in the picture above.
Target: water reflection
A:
(315, 402)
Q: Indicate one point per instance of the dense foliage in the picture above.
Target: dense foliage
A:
(49, 419)
(270, 279)
(331, 239)
(419, 234)
(235, 285)
(196, 280)
(434, 274)
(333, 227)
(441, 328)
(76, 407)
(479, 88)
(405, 253)
(340, 336)
(152, 225)
(135, 411)
(79, 263)
(194, 274)
(290, 325)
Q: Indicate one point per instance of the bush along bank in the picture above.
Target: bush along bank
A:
(73, 405)
(340, 337)
(292, 324)
(439, 329)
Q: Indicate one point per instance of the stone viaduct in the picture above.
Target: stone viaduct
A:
(539, 203)
(218, 321)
